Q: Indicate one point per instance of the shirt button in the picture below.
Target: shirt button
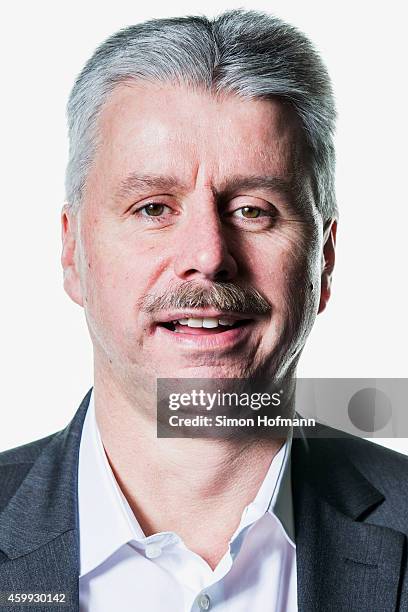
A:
(204, 602)
(153, 551)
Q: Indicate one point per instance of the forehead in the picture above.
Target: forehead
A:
(164, 128)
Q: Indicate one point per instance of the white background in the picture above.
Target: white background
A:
(46, 354)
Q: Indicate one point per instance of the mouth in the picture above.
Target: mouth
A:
(198, 326)
(205, 330)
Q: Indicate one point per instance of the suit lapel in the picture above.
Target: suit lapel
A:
(343, 564)
(53, 568)
(39, 538)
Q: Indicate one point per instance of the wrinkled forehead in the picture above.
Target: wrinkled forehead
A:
(163, 129)
(174, 113)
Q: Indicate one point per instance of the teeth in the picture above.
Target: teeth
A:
(207, 322)
(225, 322)
(210, 323)
(195, 322)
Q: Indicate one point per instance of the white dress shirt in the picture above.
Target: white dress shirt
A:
(122, 569)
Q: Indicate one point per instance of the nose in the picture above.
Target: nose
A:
(202, 250)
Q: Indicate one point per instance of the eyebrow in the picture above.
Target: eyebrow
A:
(141, 183)
(243, 183)
(144, 182)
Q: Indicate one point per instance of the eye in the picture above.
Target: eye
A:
(250, 212)
(254, 214)
(153, 209)
(154, 212)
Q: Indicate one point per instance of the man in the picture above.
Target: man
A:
(199, 237)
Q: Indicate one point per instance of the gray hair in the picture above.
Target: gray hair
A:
(246, 53)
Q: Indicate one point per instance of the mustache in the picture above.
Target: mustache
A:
(221, 296)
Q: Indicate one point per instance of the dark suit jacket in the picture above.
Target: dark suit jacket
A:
(351, 521)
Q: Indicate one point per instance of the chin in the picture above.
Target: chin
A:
(204, 372)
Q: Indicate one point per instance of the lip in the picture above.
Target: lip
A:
(223, 341)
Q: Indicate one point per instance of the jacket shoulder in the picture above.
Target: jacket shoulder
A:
(375, 461)
(387, 470)
(15, 464)
(26, 453)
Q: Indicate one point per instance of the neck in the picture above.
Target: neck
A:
(175, 484)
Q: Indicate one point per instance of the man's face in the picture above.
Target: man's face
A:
(190, 191)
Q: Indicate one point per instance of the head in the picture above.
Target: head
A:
(200, 185)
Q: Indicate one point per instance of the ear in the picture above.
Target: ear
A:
(328, 259)
(69, 257)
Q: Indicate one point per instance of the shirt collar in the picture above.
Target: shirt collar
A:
(274, 496)
(281, 504)
(104, 525)
(101, 502)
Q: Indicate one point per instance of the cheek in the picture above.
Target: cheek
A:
(287, 266)
(118, 269)
(290, 280)
(301, 291)
(111, 294)
(106, 306)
